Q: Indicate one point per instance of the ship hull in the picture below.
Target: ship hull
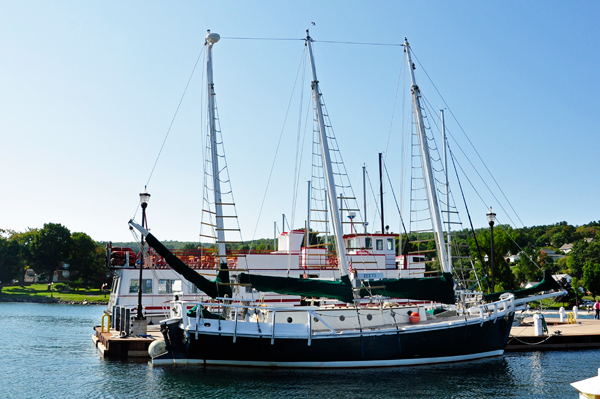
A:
(438, 343)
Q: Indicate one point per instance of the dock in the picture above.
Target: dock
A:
(583, 334)
(111, 345)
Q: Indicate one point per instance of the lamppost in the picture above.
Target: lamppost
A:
(491, 216)
(144, 199)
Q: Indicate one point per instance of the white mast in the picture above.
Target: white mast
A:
(332, 196)
(211, 39)
(434, 209)
(449, 246)
(307, 232)
(365, 197)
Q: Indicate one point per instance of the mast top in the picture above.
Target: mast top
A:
(212, 38)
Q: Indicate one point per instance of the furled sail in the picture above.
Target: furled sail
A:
(437, 289)
(211, 288)
(340, 290)
(547, 284)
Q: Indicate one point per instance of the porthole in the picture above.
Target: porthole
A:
(289, 320)
(316, 319)
(369, 317)
(342, 318)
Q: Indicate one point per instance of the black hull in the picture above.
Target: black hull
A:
(439, 344)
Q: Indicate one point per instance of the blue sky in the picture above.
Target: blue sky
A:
(88, 91)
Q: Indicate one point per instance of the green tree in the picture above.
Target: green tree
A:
(11, 262)
(591, 278)
(526, 268)
(503, 243)
(50, 247)
(86, 260)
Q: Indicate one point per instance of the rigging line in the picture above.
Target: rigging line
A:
(393, 110)
(175, 115)
(300, 141)
(360, 43)
(477, 192)
(302, 60)
(374, 197)
(261, 38)
(521, 250)
(476, 171)
(470, 221)
(394, 195)
(468, 139)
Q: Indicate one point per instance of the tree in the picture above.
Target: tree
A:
(526, 268)
(86, 259)
(503, 243)
(591, 278)
(50, 247)
(11, 261)
(24, 240)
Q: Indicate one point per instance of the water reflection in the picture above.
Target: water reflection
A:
(47, 353)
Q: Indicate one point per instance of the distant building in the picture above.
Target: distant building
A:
(61, 274)
(512, 258)
(31, 276)
(559, 277)
(566, 248)
(552, 253)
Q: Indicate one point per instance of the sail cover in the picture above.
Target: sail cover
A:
(340, 290)
(437, 289)
(211, 288)
(547, 284)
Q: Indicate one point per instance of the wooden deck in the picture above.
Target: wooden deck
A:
(585, 334)
(110, 345)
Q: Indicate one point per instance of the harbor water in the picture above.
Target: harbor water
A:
(47, 352)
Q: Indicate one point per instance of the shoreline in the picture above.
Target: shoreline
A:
(8, 298)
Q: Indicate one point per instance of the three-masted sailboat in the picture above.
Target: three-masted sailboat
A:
(234, 331)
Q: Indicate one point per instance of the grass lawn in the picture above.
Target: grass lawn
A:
(41, 290)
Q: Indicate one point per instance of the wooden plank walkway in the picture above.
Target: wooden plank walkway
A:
(109, 344)
(585, 334)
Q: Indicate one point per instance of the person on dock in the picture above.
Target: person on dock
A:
(597, 309)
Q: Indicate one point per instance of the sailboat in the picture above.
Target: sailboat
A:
(234, 331)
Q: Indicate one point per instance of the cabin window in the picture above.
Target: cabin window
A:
(194, 289)
(379, 244)
(146, 286)
(368, 242)
(115, 285)
(390, 244)
(167, 286)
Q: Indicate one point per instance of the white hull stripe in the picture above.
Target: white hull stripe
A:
(346, 364)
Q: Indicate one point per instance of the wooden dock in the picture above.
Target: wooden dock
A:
(111, 345)
(584, 334)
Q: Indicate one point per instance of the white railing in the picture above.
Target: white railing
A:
(252, 319)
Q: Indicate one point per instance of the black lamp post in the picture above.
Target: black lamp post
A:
(491, 216)
(144, 199)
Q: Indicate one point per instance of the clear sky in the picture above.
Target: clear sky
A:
(88, 91)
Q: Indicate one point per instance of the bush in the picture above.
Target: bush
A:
(59, 287)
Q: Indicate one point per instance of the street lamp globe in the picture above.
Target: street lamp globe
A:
(144, 198)
(491, 216)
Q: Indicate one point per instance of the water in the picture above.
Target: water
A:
(47, 352)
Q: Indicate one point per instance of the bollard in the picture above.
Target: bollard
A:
(575, 312)
(561, 312)
(537, 325)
